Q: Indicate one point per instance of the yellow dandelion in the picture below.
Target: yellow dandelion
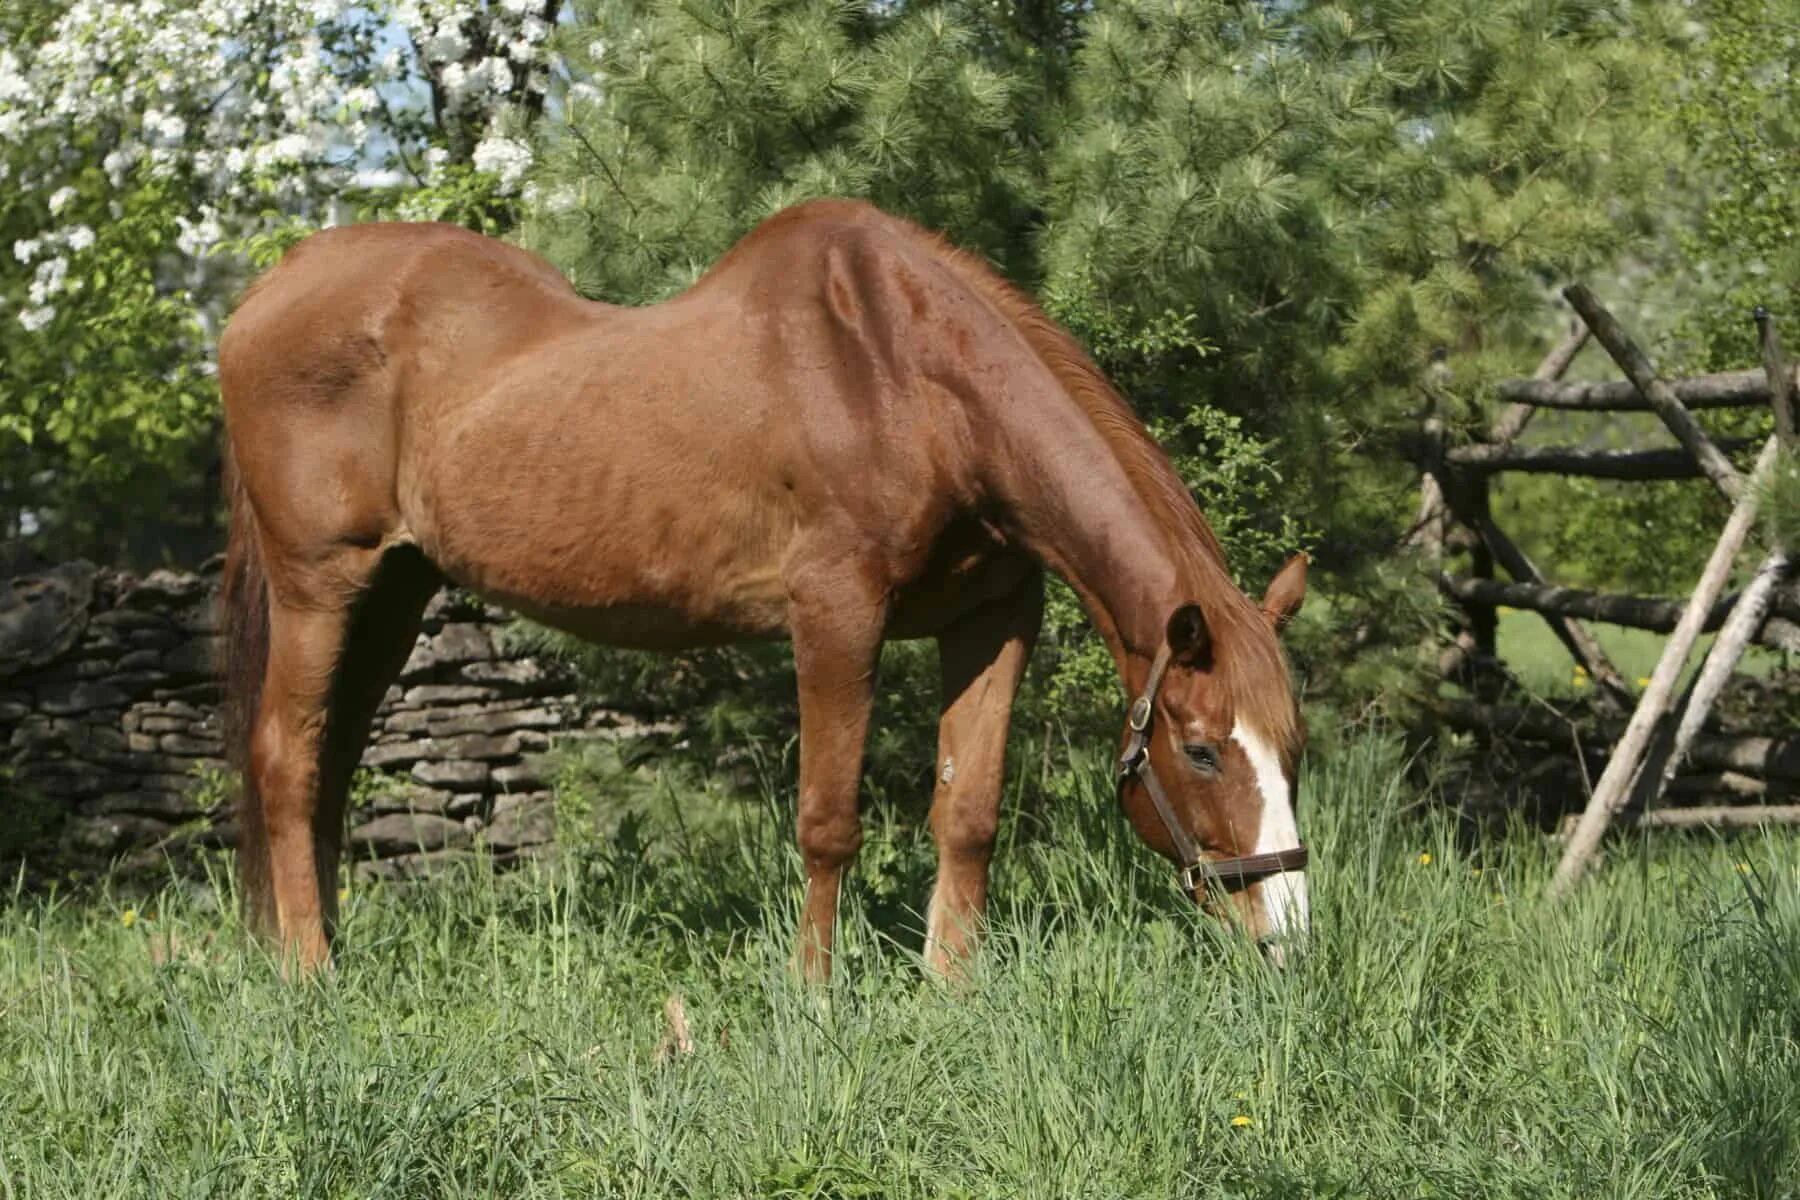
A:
(1580, 681)
(128, 918)
(1241, 1121)
(1580, 670)
(1643, 681)
(1240, 1096)
(1743, 868)
(1425, 859)
(343, 895)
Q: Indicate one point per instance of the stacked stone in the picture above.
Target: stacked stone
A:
(108, 718)
(108, 703)
(458, 742)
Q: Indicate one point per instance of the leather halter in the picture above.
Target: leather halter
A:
(1195, 870)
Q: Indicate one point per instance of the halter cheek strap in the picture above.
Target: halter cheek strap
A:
(1195, 871)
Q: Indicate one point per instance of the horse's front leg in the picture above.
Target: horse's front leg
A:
(982, 658)
(836, 629)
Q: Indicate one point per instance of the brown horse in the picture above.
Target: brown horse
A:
(847, 431)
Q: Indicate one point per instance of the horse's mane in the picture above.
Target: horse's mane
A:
(1249, 662)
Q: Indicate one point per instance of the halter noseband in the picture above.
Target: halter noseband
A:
(1195, 871)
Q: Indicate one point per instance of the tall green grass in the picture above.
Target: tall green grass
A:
(1448, 1034)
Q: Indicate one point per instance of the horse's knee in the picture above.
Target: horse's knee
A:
(283, 773)
(965, 832)
(828, 838)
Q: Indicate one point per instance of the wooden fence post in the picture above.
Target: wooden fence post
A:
(1622, 770)
(1780, 377)
(1747, 615)
(1469, 503)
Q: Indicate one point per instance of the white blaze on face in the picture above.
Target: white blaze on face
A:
(1283, 895)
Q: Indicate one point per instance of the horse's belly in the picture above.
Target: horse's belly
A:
(622, 607)
(585, 529)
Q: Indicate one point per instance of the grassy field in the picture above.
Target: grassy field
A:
(1448, 1034)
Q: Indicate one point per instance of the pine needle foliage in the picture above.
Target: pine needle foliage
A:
(700, 119)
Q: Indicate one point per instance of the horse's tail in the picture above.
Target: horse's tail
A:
(244, 622)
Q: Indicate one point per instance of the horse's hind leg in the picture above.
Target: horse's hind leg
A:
(983, 657)
(333, 651)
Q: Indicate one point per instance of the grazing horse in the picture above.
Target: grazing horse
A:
(846, 431)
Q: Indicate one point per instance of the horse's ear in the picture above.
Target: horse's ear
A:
(1190, 641)
(1286, 592)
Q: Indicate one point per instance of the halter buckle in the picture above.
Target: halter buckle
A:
(1139, 720)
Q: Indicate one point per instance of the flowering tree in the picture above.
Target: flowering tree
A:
(152, 153)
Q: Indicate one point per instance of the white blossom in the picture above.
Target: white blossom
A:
(505, 157)
(447, 42)
(14, 87)
(455, 79)
(34, 319)
(119, 161)
(49, 278)
(496, 72)
(59, 199)
(164, 126)
(196, 237)
(78, 238)
(25, 249)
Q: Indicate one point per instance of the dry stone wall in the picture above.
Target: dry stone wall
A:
(109, 731)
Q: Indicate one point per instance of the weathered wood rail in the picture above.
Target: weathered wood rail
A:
(1780, 629)
(1733, 389)
(1596, 464)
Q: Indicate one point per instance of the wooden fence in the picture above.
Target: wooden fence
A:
(1657, 747)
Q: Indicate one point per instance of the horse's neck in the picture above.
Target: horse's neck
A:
(1082, 515)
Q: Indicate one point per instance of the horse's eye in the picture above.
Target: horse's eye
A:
(1204, 757)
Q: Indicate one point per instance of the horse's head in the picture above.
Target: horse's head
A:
(1209, 770)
